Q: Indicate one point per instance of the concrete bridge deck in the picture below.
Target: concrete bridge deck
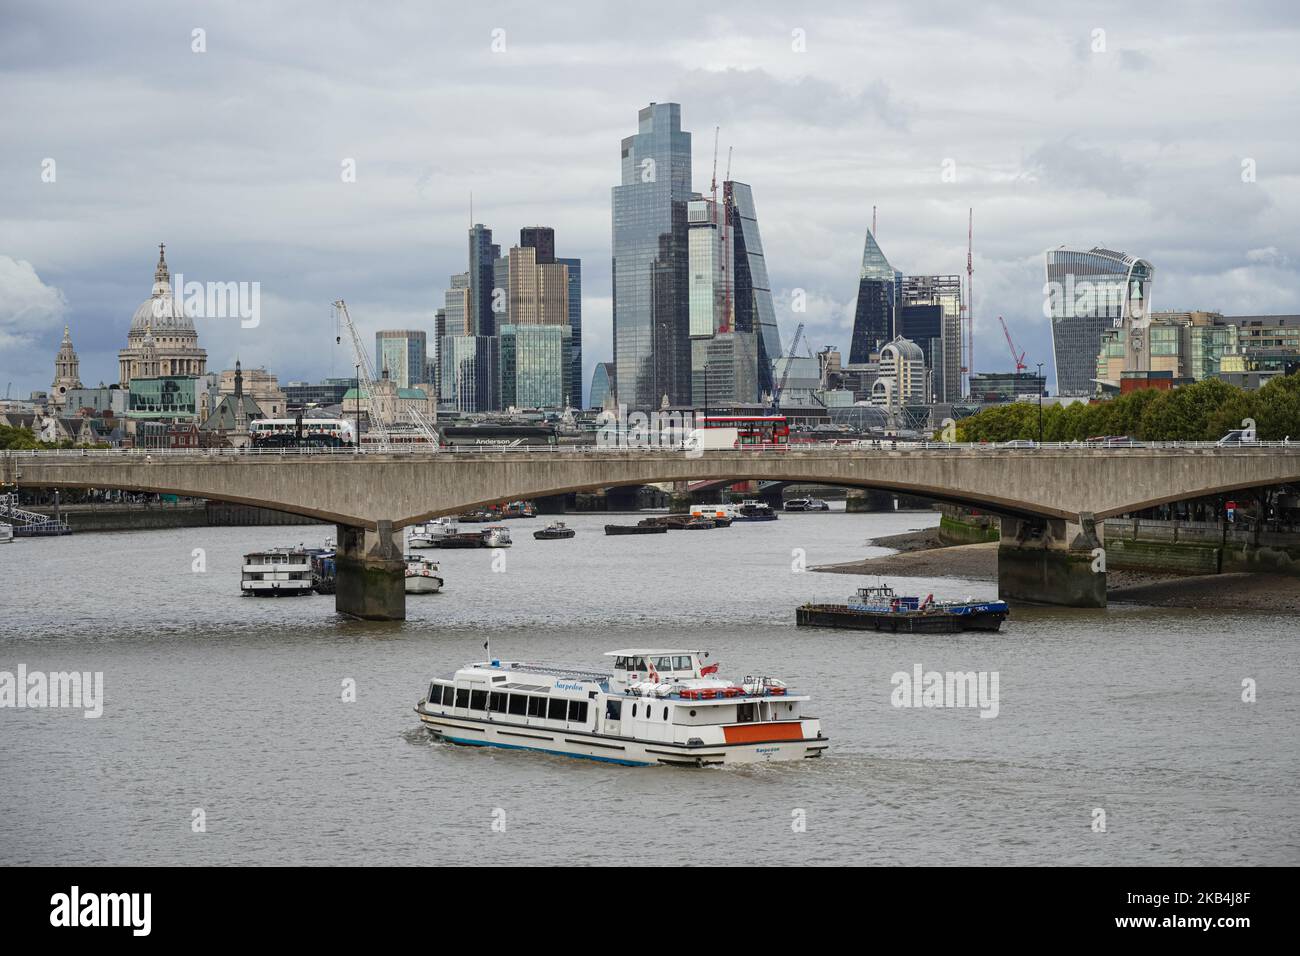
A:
(1050, 496)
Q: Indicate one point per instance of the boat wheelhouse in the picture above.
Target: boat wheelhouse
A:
(277, 572)
(655, 707)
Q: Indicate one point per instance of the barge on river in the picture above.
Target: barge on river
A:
(656, 707)
(880, 609)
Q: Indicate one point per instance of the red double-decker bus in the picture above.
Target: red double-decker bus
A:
(753, 430)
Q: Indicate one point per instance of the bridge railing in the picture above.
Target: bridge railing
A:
(424, 450)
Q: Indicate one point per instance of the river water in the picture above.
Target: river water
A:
(233, 707)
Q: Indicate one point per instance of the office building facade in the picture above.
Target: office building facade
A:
(650, 307)
(873, 313)
(404, 353)
(944, 362)
(747, 283)
(1087, 293)
(470, 377)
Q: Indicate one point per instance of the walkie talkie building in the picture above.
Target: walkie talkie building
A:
(1087, 293)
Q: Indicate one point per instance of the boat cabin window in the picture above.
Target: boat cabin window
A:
(578, 711)
(663, 663)
(665, 713)
(462, 696)
(744, 713)
(634, 710)
(435, 694)
(536, 706)
(497, 702)
(613, 710)
(559, 709)
(518, 704)
(681, 663)
(478, 700)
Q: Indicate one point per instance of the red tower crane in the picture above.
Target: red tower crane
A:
(1018, 359)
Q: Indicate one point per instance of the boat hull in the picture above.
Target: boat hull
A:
(635, 529)
(897, 622)
(418, 584)
(553, 535)
(618, 750)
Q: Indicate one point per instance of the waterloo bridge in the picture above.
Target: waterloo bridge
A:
(1052, 499)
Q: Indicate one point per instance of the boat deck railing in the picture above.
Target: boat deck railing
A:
(553, 670)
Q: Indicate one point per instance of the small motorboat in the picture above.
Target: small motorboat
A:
(422, 575)
(554, 532)
(496, 536)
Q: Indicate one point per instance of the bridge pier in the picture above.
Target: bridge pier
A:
(370, 574)
(1052, 561)
(868, 499)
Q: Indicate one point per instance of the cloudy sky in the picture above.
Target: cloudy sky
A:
(1133, 126)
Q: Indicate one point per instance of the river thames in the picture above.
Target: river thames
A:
(235, 707)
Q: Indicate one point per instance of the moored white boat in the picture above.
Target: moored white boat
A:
(6, 533)
(277, 572)
(656, 707)
(428, 535)
(496, 536)
(422, 576)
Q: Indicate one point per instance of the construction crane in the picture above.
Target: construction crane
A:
(1018, 359)
(785, 373)
(727, 200)
(365, 376)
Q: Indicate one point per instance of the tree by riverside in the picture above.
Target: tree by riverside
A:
(1201, 411)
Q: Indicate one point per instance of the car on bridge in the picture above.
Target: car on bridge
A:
(1019, 443)
(1239, 436)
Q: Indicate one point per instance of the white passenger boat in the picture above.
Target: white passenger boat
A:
(496, 536)
(656, 707)
(277, 572)
(428, 535)
(6, 533)
(422, 576)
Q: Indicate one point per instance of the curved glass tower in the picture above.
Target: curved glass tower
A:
(1088, 293)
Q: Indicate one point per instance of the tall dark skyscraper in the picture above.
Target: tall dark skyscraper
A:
(652, 354)
(541, 238)
(482, 258)
(750, 288)
(873, 317)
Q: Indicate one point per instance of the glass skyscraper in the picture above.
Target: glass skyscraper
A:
(602, 385)
(575, 329)
(470, 372)
(535, 366)
(873, 316)
(404, 352)
(945, 361)
(651, 316)
(1087, 293)
(751, 292)
(482, 258)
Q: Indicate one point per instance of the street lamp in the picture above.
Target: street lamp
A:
(707, 366)
(1040, 403)
(356, 403)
